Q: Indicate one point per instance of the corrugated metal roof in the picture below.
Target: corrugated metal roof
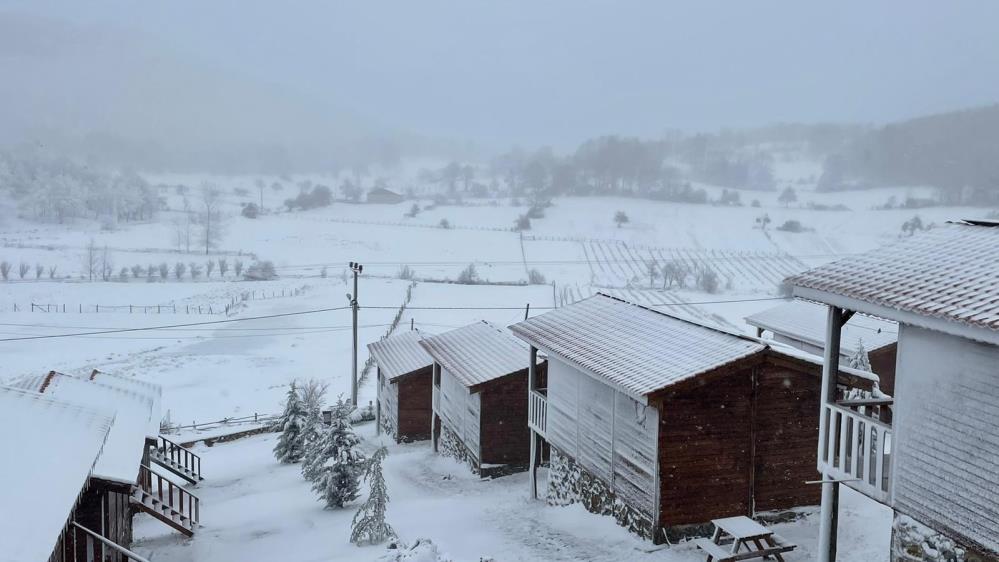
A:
(639, 349)
(950, 273)
(806, 321)
(122, 454)
(50, 448)
(400, 354)
(151, 390)
(478, 353)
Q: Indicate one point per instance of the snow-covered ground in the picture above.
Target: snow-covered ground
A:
(257, 509)
(214, 365)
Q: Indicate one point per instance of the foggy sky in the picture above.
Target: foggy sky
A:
(554, 72)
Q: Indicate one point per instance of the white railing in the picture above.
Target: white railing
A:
(436, 398)
(856, 449)
(537, 412)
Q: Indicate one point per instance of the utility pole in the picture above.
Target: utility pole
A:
(357, 269)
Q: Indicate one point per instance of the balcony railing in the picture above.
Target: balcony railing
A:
(537, 412)
(855, 448)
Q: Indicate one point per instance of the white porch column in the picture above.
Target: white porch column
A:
(532, 382)
(378, 404)
(435, 390)
(829, 515)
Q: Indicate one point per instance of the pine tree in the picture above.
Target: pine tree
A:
(320, 447)
(338, 481)
(859, 359)
(290, 445)
(369, 526)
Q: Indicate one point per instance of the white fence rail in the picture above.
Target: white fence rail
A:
(856, 449)
(537, 412)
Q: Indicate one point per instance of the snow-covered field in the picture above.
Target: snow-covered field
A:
(215, 363)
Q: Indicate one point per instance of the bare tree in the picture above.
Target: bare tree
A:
(210, 217)
(184, 228)
(179, 269)
(674, 273)
(223, 266)
(22, 269)
(39, 270)
(136, 271)
(237, 267)
(150, 271)
(653, 270)
(123, 274)
(52, 272)
(5, 269)
(107, 264)
(90, 260)
(195, 269)
(164, 271)
(209, 268)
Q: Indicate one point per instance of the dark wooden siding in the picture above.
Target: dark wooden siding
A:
(705, 432)
(415, 405)
(883, 364)
(786, 430)
(505, 437)
(104, 508)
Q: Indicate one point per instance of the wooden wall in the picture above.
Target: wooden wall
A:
(104, 508)
(460, 410)
(883, 364)
(946, 438)
(505, 438)
(388, 405)
(607, 433)
(740, 441)
(414, 395)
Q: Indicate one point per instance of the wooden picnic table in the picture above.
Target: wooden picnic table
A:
(741, 538)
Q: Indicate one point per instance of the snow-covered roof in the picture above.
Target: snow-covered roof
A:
(122, 454)
(949, 274)
(50, 447)
(478, 353)
(151, 390)
(400, 354)
(636, 348)
(806, 322)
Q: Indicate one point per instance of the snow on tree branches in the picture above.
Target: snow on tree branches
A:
(291, 445)
(339, 463)
(859, 359)
(368, 525)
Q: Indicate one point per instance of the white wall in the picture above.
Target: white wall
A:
(608, 433)
(460, 411)
(946, 466)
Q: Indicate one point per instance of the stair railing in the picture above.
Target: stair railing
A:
(169, 493)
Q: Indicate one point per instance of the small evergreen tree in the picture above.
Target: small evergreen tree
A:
(859, 359)
(290, 445)
(338, 479)
(369, 526)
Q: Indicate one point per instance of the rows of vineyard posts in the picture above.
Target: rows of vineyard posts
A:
(617, 264)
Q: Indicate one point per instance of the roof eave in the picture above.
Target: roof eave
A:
(901, 316)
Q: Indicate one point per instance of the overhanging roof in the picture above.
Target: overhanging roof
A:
(478, 353)
(400, 354)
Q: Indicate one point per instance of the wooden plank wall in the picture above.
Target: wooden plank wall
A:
(415, 397)
(388, 403)
(460, 410)
(506, 438)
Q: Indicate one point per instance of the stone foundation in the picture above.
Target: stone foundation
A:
(911, 541)
(569, 483)
(450, 445)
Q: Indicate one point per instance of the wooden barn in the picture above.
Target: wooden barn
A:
(479, 412)
(937, 463)
(382, 196)
(802, 324)
(667, 424)
(405, 372)
(123, 480)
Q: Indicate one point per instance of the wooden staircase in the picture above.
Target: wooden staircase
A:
(178, 460)
(166, 501)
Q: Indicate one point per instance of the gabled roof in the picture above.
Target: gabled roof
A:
(478, 353)
(153, 391)
(400, 354)
(948, 276)
(806, 322)
(638, 349)
(50, 447)
(122, 454)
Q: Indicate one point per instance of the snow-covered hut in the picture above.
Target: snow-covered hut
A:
(667, 424)
(937, 464)
(404, 380)
(50, 447)
(479, 385)
(122, 480)
(802, 324)
(382, 196)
